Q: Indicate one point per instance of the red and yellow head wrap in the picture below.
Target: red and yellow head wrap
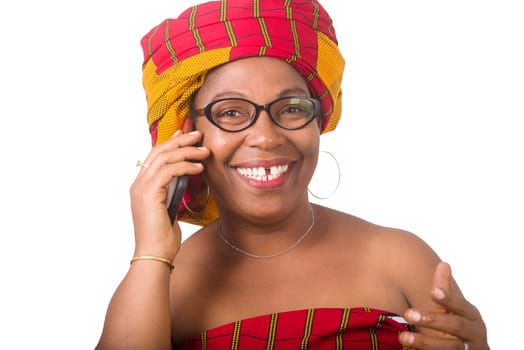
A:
(179, 52)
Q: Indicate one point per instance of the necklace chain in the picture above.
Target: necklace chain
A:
(282, 252)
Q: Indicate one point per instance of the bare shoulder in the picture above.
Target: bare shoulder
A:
(394, 242)
(402, 257)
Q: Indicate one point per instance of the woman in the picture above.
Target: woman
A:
(238, 94)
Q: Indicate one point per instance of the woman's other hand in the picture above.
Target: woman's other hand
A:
(454, 323)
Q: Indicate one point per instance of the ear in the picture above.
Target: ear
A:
(188, 125)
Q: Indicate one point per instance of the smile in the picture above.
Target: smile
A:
(263, 174)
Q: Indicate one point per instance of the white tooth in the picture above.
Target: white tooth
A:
(260, 172)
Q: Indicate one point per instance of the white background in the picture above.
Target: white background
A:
(430, 141)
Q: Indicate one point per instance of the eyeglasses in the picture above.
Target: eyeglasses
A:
(237, 114)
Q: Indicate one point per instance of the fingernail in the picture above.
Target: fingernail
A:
(178, 132)
(414, 316)
(202, 148)
(194, 132)
(439, 293)
(408, 338)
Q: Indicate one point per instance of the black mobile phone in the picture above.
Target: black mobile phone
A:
(175, 193)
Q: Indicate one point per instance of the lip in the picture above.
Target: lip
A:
(266, 164)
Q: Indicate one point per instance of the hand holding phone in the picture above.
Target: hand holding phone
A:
(178, 185)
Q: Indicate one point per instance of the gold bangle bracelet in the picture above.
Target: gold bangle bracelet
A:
(155, 258)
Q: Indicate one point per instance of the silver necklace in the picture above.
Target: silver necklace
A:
(282, 252)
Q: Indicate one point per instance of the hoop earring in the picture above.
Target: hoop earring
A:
(338, 178)
(192, 212)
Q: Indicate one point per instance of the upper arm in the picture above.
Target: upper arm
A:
(415, 268)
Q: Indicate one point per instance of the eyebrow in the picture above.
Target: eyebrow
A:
(295, 91)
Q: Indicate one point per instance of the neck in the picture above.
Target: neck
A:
(268, 241)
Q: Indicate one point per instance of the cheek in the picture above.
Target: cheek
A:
(312, 156)
(212, 137)
(309, 148)
(213, 142)
(221, 148)
(312, 143)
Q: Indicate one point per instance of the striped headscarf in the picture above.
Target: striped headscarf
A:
(179, 52)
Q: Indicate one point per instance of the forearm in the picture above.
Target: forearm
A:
(138, 315)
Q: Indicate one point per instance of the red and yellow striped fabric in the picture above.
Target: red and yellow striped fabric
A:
(179, 52)
(313, 329)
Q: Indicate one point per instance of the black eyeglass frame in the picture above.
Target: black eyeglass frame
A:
(206, 111)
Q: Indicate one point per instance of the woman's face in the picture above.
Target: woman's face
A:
(240, 162)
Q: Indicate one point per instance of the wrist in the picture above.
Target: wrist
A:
(154, 258)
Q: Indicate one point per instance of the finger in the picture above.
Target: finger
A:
(152, 185)
(157, 149)
(454, 302)
(442, 277)
(171, 170)
(175, 162)
(177, 140)
(444, 285)
(447, 294)
(427, 342)
(452, 322)
(446, 324)
(177, 156)
(157, 179)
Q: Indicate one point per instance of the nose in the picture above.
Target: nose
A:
(264, 133)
